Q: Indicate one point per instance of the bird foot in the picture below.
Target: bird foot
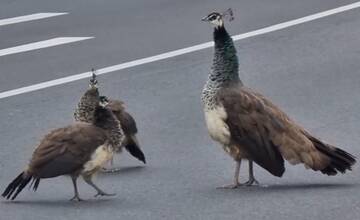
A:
(76, 198)
(251, 182)
(231, 186)
(101, 193)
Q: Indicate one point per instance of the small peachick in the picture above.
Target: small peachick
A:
(249, 126)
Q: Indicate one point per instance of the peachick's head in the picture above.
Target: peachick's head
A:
(217, 19)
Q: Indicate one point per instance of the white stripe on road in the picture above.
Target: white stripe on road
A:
(41, 44)
(176, 52)
(31, 17)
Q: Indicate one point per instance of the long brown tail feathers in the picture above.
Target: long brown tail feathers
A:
(18, 184)
(340, 160)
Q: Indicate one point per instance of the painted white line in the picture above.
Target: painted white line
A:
(297, 21)
(31, 17)
(175, 53)
(41, 44)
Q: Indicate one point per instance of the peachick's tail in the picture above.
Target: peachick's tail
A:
(134, 149)
(340, 160)
(18, 184)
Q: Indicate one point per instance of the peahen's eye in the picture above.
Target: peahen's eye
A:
(213, 17)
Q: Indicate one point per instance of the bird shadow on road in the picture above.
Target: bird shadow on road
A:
(65, 203)
(294, 187)
(123, 170)
(307, 186)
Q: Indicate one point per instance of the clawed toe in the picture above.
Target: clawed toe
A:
(76, 199)
(231, 186)
(251, 182)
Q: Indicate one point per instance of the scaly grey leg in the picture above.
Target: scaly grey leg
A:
(76, 192)
(252, 179)
(88, 180)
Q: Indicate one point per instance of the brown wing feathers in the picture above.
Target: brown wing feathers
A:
(65, 149)
(62, 151)
(127, 122)
(248, 129)
(268, 134)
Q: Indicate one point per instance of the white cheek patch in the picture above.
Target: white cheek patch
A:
(217, 22)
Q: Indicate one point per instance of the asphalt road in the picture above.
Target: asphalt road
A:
(311, 70)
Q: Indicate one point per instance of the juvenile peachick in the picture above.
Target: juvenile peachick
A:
(78, 149)
(127, 122)
(251, 127)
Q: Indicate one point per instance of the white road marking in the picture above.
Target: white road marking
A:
(31, 17)
(175, 53)
(41, 44)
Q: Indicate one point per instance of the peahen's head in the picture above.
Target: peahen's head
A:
(93, 81)
(217, 19)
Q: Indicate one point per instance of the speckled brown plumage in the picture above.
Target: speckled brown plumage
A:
(85, 109)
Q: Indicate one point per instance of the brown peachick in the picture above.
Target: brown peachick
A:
(78, 149)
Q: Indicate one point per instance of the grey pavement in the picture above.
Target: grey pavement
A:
(312, 71)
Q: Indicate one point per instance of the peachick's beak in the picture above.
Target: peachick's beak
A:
(204, 18)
